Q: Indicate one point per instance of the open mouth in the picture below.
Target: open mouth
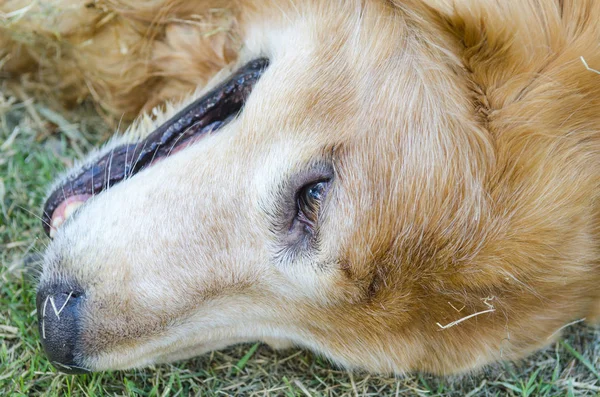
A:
(205, 115)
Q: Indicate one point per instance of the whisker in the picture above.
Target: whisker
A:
(129, 167)
(62, 186)
(109, 168)
(137, 160)
(33, 249)
(35, 215)
(44, 243)
(153, 155)
(71, 184)
(179, 138)
(125, 166)
(47, 215)
(93, 188)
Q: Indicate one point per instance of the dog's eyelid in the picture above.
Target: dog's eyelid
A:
(294, 238)
(299, 226)
(314, 173)
(309, 200)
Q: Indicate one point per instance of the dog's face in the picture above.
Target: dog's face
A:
(331, 190)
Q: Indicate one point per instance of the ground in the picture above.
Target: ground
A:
(38, 141)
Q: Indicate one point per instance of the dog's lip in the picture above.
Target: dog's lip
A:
(203, 116)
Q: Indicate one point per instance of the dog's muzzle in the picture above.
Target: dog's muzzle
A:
(60, 305)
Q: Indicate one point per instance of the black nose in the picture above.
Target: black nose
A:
(58, 307)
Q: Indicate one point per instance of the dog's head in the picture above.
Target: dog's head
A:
(338, 188)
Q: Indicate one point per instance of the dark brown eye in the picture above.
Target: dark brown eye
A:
(309, 201)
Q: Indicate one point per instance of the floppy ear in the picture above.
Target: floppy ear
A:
(127, 55)
(521, 55)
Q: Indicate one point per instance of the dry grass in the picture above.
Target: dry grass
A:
(37, 142)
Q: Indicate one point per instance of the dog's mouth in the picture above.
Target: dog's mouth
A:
(205, 115)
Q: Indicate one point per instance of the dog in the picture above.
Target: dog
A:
(397, 185)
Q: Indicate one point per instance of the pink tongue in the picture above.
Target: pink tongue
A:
(65, 209)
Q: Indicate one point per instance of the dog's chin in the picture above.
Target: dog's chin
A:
(128, 358)
(182, 354)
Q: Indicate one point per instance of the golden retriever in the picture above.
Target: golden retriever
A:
(398, 185)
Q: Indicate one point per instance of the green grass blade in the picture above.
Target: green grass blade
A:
(582, 359)
(242, 363)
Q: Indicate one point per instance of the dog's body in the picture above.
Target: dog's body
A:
(411, 185)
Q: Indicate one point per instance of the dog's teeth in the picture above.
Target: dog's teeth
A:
(56, 222)
(65, 210)
(69, 209)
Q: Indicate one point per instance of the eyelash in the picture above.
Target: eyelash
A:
(308, 203)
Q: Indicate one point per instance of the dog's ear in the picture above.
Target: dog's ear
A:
(518, 53)
(126, 54)
(504, 39)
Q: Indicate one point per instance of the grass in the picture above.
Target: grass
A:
(37, 142)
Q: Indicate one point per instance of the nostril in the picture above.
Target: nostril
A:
(58, 307)
(55, 304)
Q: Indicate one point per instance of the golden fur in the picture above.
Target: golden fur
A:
(462, 226)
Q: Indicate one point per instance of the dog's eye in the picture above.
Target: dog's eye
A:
(302, 205)
(309, 200)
